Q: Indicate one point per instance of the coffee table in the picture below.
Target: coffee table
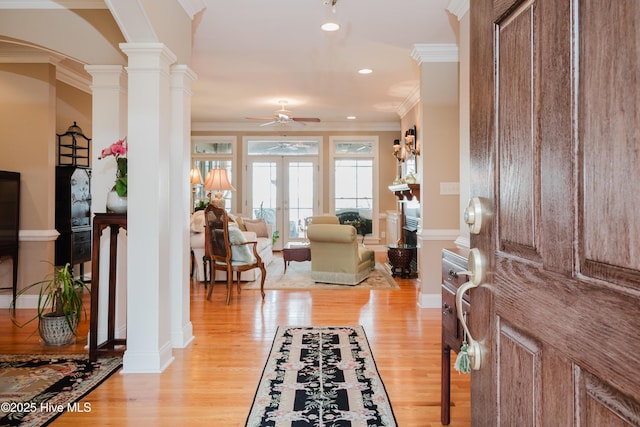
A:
(295, 251)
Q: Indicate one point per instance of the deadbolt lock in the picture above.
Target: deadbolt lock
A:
(473, 215)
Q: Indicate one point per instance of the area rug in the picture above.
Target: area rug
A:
(298, 276)
(35, 389)
(320, 376)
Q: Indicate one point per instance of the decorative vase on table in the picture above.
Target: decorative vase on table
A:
(115, 203)
(117, 197)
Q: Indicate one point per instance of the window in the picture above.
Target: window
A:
(354, 185)
(213, 152)
(355, 182)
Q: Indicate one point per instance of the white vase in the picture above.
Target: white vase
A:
(115, 203)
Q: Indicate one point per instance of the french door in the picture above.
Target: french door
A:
(283, 190)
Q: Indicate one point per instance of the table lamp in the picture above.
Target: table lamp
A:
(195, 178)
(218, 181)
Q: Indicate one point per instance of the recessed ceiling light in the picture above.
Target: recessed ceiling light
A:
(365, 71)
(330, 26)
(351, 117)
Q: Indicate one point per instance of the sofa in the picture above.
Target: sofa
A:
(254, 230)
(336, 255)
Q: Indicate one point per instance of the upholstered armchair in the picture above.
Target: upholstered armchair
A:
(322, 219)
(336, 255)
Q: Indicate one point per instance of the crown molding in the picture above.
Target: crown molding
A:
(192, 7)
(435, 53)
(29, 57)
(310, 127)
(52, 4)
(410, 101)
(74, 79)
(459, 8)
(63, 73)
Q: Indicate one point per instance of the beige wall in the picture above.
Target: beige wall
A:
(440, 165)
(72, 105)
(27, 145)
(33, 108)
(437, 122)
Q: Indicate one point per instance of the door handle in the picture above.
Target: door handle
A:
(470, 355)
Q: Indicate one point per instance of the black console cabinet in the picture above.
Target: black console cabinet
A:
(73, 215)
(10, 221)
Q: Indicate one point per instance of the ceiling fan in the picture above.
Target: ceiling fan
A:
(284, 116)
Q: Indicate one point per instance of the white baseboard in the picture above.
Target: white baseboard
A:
(25, 301)
(430, 300)
(147, 362)
(184, 337)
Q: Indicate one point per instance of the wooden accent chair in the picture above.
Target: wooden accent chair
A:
(227, 249)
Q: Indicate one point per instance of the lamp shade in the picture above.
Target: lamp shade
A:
(195, 177)
(217, 180)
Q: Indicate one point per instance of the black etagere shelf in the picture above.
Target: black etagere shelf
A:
(73, 147)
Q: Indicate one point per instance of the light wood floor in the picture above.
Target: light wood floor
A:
(212, 382)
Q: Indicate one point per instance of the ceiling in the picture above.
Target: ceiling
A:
(250, 54)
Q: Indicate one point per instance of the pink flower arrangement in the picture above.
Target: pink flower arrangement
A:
(118, 149)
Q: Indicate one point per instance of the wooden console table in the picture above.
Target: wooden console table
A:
(453, 261)
(115, 222)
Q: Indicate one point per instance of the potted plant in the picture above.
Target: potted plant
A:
(60, 306)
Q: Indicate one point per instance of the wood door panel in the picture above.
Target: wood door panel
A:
(600, 405)
(570, 316)
(558, 389)
(555, 130)
(520, 378)
(609, 141)
(518, 154)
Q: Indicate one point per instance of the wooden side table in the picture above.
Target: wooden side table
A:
(454, 261)
(295, 252)
(115, 222)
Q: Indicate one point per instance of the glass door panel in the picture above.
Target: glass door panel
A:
(283, 192)
(264, 191)
(301, 201)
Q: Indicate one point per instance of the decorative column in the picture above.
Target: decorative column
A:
(109, 117)
(150, 117)
(179, 213)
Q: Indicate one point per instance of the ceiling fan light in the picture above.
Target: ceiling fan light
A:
(330, 26)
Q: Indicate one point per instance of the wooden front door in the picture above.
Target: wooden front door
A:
(555, 148)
